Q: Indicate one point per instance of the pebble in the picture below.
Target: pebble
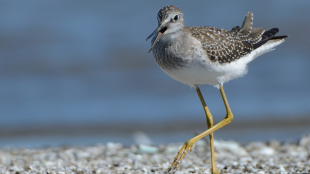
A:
(231, 157)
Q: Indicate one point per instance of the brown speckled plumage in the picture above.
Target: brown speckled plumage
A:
(220, 45)
(226, 46)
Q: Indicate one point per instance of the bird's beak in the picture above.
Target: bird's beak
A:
(159, 31)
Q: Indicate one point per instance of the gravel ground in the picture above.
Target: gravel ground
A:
(231, 157)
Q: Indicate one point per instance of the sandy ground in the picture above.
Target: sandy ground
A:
(231, 157)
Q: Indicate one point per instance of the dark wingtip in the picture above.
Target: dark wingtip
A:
(278, 37)
(269, 35)
(273, 32)
(274, 29)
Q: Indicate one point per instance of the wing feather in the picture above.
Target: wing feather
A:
(226, 46)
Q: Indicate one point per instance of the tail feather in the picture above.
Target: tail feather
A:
(255, 36)
(246, 28)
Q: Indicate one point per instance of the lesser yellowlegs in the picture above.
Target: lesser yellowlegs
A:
(207, 55)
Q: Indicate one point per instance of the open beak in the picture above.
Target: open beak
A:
(159, 31)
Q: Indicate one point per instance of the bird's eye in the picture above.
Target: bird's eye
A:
(176, 17)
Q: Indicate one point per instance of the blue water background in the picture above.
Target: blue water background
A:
(73, 63)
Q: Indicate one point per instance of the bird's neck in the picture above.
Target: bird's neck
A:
(172, 37)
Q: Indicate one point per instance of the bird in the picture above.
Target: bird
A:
(198, 55)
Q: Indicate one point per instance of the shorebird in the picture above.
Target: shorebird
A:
(207, 55)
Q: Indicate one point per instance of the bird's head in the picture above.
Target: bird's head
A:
(170, 20)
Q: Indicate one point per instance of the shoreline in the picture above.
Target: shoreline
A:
(231, 157)
(243, 131)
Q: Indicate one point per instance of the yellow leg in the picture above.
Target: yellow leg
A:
(188, 145)
(210, 124)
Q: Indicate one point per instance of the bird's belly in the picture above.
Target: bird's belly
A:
(195, 74)
(213, 73)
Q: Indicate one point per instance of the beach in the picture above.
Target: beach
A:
(231, 157)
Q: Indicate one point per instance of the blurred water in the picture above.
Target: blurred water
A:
(82, 63)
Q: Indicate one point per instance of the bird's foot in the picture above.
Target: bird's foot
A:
(214, 171)
(188, 145)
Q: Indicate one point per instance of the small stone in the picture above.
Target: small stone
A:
(274, 144)
(115, 164)
(268, 151)
(99, 171)
(147, 149)
(261, 166)
(305, 141)
(281, 168)
(113, 146)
